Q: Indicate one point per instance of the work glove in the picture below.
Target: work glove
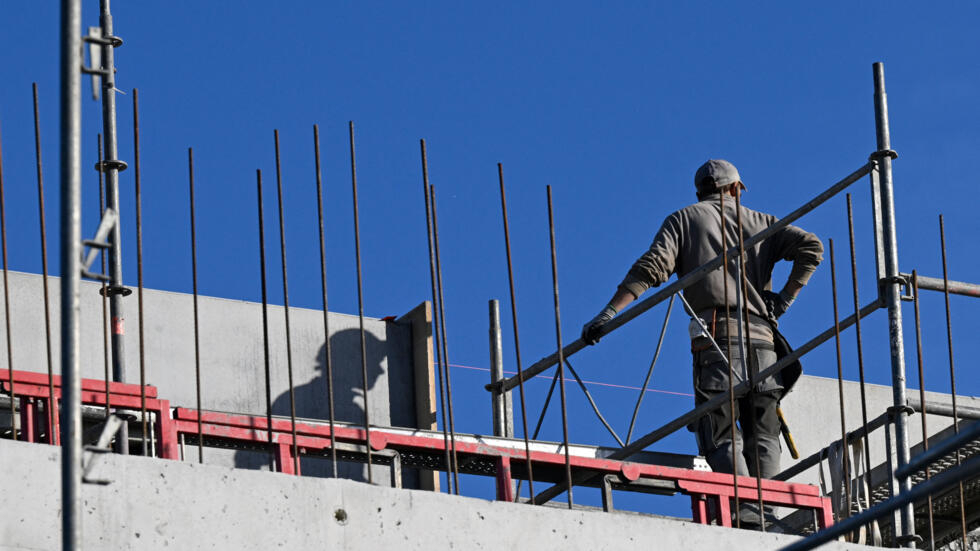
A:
(777, 303)
(592, 330)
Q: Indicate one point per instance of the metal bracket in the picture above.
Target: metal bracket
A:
(111, 290)
(894, 410)
(905, 280)
(109, 220)
(882, 153)
(111, 164)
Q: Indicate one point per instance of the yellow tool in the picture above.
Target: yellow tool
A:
(787, 436)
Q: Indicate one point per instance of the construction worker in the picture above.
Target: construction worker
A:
(689, 238)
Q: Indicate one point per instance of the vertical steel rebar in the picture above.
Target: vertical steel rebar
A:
(445, 340)
(104, 291)
(139, 266)
(265, 322)
(285, 308)
(328, 362)
(892, 291)
(6, 306)
(197, 345)
(52, 401)
(517, 339)
(70, 259)
(728, 353)
(748, 358)
(360, 303)
(840, 386)
(952, 371)
(922, 399)
(440, 365)
(561, 359)
(860, 354)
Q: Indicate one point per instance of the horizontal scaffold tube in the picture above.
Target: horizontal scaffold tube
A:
(955, 287)
(683, 283)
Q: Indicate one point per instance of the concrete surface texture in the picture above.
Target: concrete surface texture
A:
(232, 357)
(159, 504)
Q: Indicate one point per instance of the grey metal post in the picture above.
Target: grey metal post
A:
(111, 168)
(503, 403)
(891, 289)
(71, 240)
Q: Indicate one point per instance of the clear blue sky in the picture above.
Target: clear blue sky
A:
(614, 105)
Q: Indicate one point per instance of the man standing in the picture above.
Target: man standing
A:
(689, 238)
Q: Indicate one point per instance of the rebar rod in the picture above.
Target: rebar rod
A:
(517, 340)
(891, 293)
(561, 359)
(445, 340)
(265, 323)
(285, 310)
(139, 266)
(749, 361)
(6, 307)
(197, 343)
(360, 304)
(952, 370)
(52, 400)
(327, 359)
(595, 407)
(922, 399)
(728, 353)
(653, 363)
(440, 364)
(840, 387)
(860, 348)
(104, 291)
(680, 284)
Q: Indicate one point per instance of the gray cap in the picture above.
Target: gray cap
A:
(716, 174)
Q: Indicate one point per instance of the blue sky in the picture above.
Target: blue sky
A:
(613, 104)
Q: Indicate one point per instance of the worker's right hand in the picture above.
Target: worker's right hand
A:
(592, 331)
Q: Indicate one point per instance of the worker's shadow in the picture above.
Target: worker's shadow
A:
(312, 400)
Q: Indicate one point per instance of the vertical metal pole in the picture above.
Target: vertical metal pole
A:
(561, 358)
(111, 166)
(922, 400)
(328, 361)
(952, 371)
(728, 353)
(197, 344)
(71, 241)
(265, 322)
(52, 401)
(517, 340)
(285, 308)
(445, 340)
(892, 291)
(503, 407)
(6, 306)
(139, 264)
(104, 292)
(360, 303)
(840, 389)
(440, 365)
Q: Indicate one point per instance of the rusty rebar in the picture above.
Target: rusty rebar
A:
(440, 365)
(104, 291)
(197, 344)
(52, 400)
(748, 359)
(952, 370)
(360, 302)
(265, 322)
(6, 306)
(517, 339)
(561, 359)
(139, 265)
(285, 308)
(860, 350)
(922, 399)
(728, 352)
(445, 340)
(328, 362)
(840, 385)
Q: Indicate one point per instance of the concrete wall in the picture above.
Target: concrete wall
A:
(159, 504)
(232, 357)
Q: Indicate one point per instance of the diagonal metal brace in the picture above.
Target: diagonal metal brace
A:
(109, 219)
(112, 425)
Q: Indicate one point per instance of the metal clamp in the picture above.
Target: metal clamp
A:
(909, 538)
(904, 408)
(882, 153)
(113, 41)
(905, 280)
(112, 290)
(111, 164)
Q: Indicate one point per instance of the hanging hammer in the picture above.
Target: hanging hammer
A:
(787, 436)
